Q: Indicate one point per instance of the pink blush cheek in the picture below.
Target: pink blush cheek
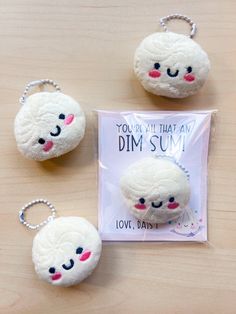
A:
(154, 73)
(173, 205)
(47, 146)
(56, 276)
(69, 119)
(189, 77)
(85, 256)
(140, 206)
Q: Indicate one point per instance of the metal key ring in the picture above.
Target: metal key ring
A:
(37, 83)
(165, 19)
(31, 204)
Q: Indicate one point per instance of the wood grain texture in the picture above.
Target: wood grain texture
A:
(87, 47)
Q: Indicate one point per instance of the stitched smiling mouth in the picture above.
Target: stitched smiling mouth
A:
(67, 267)
(156, 205)
(57, 133)
(172, 74)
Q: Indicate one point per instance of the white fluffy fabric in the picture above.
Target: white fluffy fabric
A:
(53, 118)
(155, 190)
(176, 54)
(55, 251)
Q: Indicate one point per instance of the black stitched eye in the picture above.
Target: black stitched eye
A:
(41, 141)
(189, 69)
(52, 270)
(79, 250)
(62, 116)
(171, 199)
(157, 65)
(142, 200)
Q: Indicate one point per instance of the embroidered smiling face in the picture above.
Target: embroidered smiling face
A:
(156, 190)
(66, 251)
(49, 125)
(171, 65)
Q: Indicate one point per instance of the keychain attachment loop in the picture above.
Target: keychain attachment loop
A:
(31, 204)
(165, 19)
(38, 83)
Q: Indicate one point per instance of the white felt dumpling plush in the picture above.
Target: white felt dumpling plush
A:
(170, 64)
(49, 124)
(155, 190)
(66, 251)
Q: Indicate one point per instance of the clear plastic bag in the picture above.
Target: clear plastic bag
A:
(127, 136)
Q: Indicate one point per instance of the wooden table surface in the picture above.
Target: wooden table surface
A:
(87, 47)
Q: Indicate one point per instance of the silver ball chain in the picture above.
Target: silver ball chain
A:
(31, 204)
(165, 19)
(37, 83)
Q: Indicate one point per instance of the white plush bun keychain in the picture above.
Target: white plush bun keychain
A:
(66, 250)
(156, 190)
(170, 64)
(49, 124)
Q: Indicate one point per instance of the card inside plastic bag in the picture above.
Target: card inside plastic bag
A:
(125, 137)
